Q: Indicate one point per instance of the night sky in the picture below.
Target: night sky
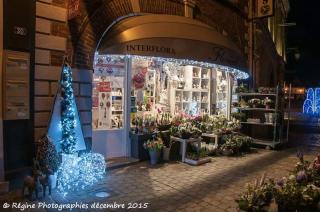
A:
(305, 36)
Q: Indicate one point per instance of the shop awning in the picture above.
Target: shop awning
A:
(171, 37)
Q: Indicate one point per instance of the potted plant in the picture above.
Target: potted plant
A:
(165, 137)
(154, 147)
(267, 102)
(197, 157)
(239, 116)
(254, 103)
(164, 122)
(48, 157)
(241, 89)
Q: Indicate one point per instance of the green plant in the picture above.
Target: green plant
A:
(239, 116)
(241, 88)
(257, 195)
(47, 155)
(236, 144)
(299, 191)
(267, 102)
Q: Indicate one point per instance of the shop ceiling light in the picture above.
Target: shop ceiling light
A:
(236, 72)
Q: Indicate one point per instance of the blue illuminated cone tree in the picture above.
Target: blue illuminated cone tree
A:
(76, 172)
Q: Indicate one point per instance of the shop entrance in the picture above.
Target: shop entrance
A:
(109, 108)
(147, 68)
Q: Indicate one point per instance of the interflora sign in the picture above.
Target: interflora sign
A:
(264, 8)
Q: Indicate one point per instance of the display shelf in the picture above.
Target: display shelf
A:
(256, 94)
(272, 117)
(256, 123)
(195, 95)
(266, 142)
(257, 109)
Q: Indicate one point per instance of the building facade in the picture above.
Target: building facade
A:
(74, 28)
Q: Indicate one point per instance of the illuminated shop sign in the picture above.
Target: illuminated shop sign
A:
(150, 48)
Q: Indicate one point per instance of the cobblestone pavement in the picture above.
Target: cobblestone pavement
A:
(181, 187)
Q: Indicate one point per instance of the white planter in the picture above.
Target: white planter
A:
(198, 162)
(166, 153)
(53, 179)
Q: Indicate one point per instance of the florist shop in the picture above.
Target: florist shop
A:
(152, 67)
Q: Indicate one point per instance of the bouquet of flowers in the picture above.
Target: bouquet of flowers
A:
(267, 102)
(254, 102)
(153, 144)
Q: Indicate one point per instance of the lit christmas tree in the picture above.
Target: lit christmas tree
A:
(68, 121)
(75, 172)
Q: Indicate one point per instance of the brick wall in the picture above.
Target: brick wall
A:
(78, 38)
(51, 41)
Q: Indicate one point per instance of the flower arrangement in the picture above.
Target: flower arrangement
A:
(163, 120)
(300, 191)
(236, 144)
(254, 102)
(243, 104)
(267, 102)
(239, 116)
(153, 144)
(266, 90)
(241, 89)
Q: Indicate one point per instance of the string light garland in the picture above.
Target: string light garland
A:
(68, 120)
(238, 74)
(78, 173)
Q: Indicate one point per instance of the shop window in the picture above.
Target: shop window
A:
(109, 93)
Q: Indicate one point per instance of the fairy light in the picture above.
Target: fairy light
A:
(238, 74)
(75, 173)
(68, 120)
(311, 105)
(78, 173)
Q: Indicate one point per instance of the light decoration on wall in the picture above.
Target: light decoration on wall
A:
(76, 172)
(311, 105)
(180, 62)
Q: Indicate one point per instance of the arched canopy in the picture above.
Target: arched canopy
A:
(171, 37)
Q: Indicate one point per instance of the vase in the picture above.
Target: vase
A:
(166, 153)
(154, 156)
(53, 180)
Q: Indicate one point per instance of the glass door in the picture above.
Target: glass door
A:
(109, 106)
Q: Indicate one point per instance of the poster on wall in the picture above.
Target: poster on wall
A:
(104, 110)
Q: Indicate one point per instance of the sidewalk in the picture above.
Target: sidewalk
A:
(180, 187)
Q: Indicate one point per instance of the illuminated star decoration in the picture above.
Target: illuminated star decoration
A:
(311, 105)
(76, 172)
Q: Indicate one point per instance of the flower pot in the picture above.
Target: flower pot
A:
(164, 127)
(185, 135)
(267, 107)
(154, 156)
(166, 153)
(53, 180)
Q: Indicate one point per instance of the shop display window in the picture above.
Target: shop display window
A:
(154, 87)
(108, 94)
